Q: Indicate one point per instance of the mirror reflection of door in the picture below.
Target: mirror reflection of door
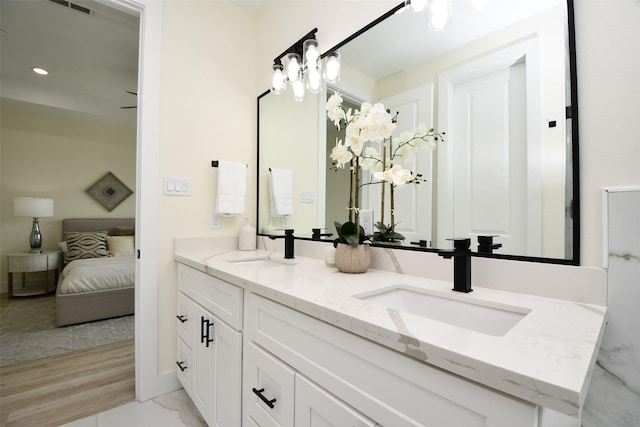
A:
(492, 172)
(412, 202)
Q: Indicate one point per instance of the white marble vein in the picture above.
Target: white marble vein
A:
(614, 396)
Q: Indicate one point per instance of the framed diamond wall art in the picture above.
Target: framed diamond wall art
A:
(109, 191)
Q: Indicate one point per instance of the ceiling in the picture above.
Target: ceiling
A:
(92, 59)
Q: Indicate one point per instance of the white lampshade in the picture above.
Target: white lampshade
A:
(32, 207)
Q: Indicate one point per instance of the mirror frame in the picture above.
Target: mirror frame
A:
(571, 113)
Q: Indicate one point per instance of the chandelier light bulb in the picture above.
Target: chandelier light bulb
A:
(439, 14)
(417, 5)
(293, 68)
(278, 83)
(298, 90)
(332, 68)
(314, 81)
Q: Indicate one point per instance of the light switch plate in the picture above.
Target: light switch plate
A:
(173, 186)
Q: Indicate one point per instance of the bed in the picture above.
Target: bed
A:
(97, 280)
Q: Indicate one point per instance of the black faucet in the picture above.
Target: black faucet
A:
(461, 255)
(486, 245)
(288, 242)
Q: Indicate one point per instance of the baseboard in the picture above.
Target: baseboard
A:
(163, 383)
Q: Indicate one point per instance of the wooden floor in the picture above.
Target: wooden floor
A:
(60, 389)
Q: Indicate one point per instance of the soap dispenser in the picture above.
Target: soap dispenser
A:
(247, 237)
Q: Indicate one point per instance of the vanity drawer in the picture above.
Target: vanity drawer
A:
(219, 297)
(387, 386)
(315, 407)
(185, 318)
(184, 364)
(272, 379)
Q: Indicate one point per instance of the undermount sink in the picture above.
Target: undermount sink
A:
(480, 316)
(262, 263)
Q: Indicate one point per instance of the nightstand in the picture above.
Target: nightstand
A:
(24, 262)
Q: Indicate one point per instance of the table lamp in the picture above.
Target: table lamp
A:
(35, 208)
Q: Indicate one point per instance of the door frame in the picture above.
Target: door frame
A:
(150, 382)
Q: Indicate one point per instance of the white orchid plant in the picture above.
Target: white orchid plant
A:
(374, 124)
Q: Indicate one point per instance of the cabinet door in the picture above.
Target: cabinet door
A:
(315, 407)
(268, 377)
(217, 375)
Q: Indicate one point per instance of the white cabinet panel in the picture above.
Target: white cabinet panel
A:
(315, 407)
(274, 381)
(227, 378)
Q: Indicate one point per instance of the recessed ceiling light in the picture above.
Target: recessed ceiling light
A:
(40, 71)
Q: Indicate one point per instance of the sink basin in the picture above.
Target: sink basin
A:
(262, 263)
(480, 316)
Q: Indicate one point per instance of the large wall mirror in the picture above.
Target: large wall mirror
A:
(500, 83)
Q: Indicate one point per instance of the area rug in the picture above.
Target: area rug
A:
(28, 331)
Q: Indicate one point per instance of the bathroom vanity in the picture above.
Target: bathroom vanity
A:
(296, 343)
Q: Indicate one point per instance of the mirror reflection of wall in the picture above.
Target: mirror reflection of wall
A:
(524, 203)
(292, 131)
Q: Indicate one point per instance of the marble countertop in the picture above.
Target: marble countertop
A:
(547, 358)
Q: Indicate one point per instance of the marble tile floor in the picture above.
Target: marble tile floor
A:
(171, 410)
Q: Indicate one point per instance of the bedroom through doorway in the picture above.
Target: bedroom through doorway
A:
(92, 86)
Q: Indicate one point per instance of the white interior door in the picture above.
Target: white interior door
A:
(413, 203)
(488, 175)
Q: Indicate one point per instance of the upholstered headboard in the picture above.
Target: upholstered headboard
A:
(112, 226)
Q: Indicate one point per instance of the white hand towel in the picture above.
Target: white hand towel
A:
(281, 192)
(232, 186)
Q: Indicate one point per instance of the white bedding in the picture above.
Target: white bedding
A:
(93, 274)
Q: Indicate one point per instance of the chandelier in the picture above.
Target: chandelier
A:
(303, 69)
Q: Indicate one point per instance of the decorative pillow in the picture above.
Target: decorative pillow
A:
(120, 245)
(63, 246)
(82, 245)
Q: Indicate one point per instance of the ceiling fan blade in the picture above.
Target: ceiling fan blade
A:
(131, 106)
(132, 93)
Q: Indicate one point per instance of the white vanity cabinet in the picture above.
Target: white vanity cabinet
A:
(315, 371)
(275, 395)
(209, 345)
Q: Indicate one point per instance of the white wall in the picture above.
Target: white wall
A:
(207, 112)
(608, 56)
(292, 131)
